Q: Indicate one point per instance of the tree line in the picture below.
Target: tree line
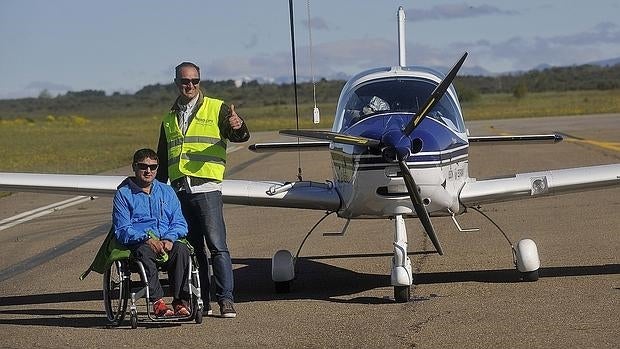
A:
(157, 99)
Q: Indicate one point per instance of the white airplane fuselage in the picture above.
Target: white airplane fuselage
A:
(372, 186)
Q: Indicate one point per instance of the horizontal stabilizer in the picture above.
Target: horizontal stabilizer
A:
(516, 139)
(332, 136)
(289, 146)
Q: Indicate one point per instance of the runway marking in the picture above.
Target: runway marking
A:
(53, 252)
(602, 144)
(42, 211)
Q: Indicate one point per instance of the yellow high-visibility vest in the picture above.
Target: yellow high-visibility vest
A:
(202, 151)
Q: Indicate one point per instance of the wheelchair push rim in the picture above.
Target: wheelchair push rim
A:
(115, 292)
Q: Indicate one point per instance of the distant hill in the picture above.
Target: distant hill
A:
(603, 63)
(155, 98)
(607, 62)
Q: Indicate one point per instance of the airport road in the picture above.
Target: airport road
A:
(468, 298)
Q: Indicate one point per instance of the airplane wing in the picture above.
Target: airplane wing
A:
(333, 136)
(303, 194)
(535, 184)
(94, 185)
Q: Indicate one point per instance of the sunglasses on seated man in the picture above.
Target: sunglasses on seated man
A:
(142, 166)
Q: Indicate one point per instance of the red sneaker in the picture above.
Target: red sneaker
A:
(160, 309)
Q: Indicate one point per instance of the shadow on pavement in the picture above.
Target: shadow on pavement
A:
(315, 280)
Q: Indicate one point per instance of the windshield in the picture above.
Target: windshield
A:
(402, 95)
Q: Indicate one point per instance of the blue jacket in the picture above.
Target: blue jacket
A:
(135, 213)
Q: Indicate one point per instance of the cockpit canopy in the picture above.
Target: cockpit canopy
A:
(393, 95)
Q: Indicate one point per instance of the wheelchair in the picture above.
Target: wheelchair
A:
(120, 291)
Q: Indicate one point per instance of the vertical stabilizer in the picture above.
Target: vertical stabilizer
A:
(402, 61)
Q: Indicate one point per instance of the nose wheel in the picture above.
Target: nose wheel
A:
(402, 294)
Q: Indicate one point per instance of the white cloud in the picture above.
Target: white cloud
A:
(453, 11)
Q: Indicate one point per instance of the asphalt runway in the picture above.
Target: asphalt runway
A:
(468, 298)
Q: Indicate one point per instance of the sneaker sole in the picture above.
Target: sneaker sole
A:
(229, 315)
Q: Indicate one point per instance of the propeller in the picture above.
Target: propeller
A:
(401, 146)
(333, 136)
(397, 145)
(435, 96)
(418, 205)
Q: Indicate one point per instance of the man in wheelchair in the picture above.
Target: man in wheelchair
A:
(147, 219)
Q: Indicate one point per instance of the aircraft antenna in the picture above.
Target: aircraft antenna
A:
(402, 61)
(290, 8)
(316, 115)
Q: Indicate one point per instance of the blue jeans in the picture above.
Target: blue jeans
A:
(205, 220)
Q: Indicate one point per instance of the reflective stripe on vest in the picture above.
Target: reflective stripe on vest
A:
(201, 152)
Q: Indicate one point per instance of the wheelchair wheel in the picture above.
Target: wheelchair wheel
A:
(115, 292)
(198, 314)
(133, 319)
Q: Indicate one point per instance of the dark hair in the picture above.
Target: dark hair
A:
(177, 69)
(143, 154)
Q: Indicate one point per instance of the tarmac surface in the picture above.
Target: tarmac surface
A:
(468, 298)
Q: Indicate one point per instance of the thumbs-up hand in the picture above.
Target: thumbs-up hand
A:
(234, 119)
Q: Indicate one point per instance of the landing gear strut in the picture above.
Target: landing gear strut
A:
(401, 275)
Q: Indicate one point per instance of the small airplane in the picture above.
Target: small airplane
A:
(399, 149)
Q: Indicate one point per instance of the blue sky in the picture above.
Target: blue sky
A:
(123, 45)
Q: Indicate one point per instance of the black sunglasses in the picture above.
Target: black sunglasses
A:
(186, 81)
(142, 166)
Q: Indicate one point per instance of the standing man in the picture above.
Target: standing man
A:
(192, 149)
(148, 220)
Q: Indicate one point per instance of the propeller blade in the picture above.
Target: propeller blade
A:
(418, 205)
(434, 97)
(333, 136)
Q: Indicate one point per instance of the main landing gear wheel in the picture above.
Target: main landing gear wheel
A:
(282, 271)
(527, 260)
(283, 286)
(402, 294)
(530, 276)
(115, 292)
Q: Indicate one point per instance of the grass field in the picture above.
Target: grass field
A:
(87, 145)
(505, 106)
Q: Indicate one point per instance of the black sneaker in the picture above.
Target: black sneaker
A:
(207, 311)
(227, 309)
